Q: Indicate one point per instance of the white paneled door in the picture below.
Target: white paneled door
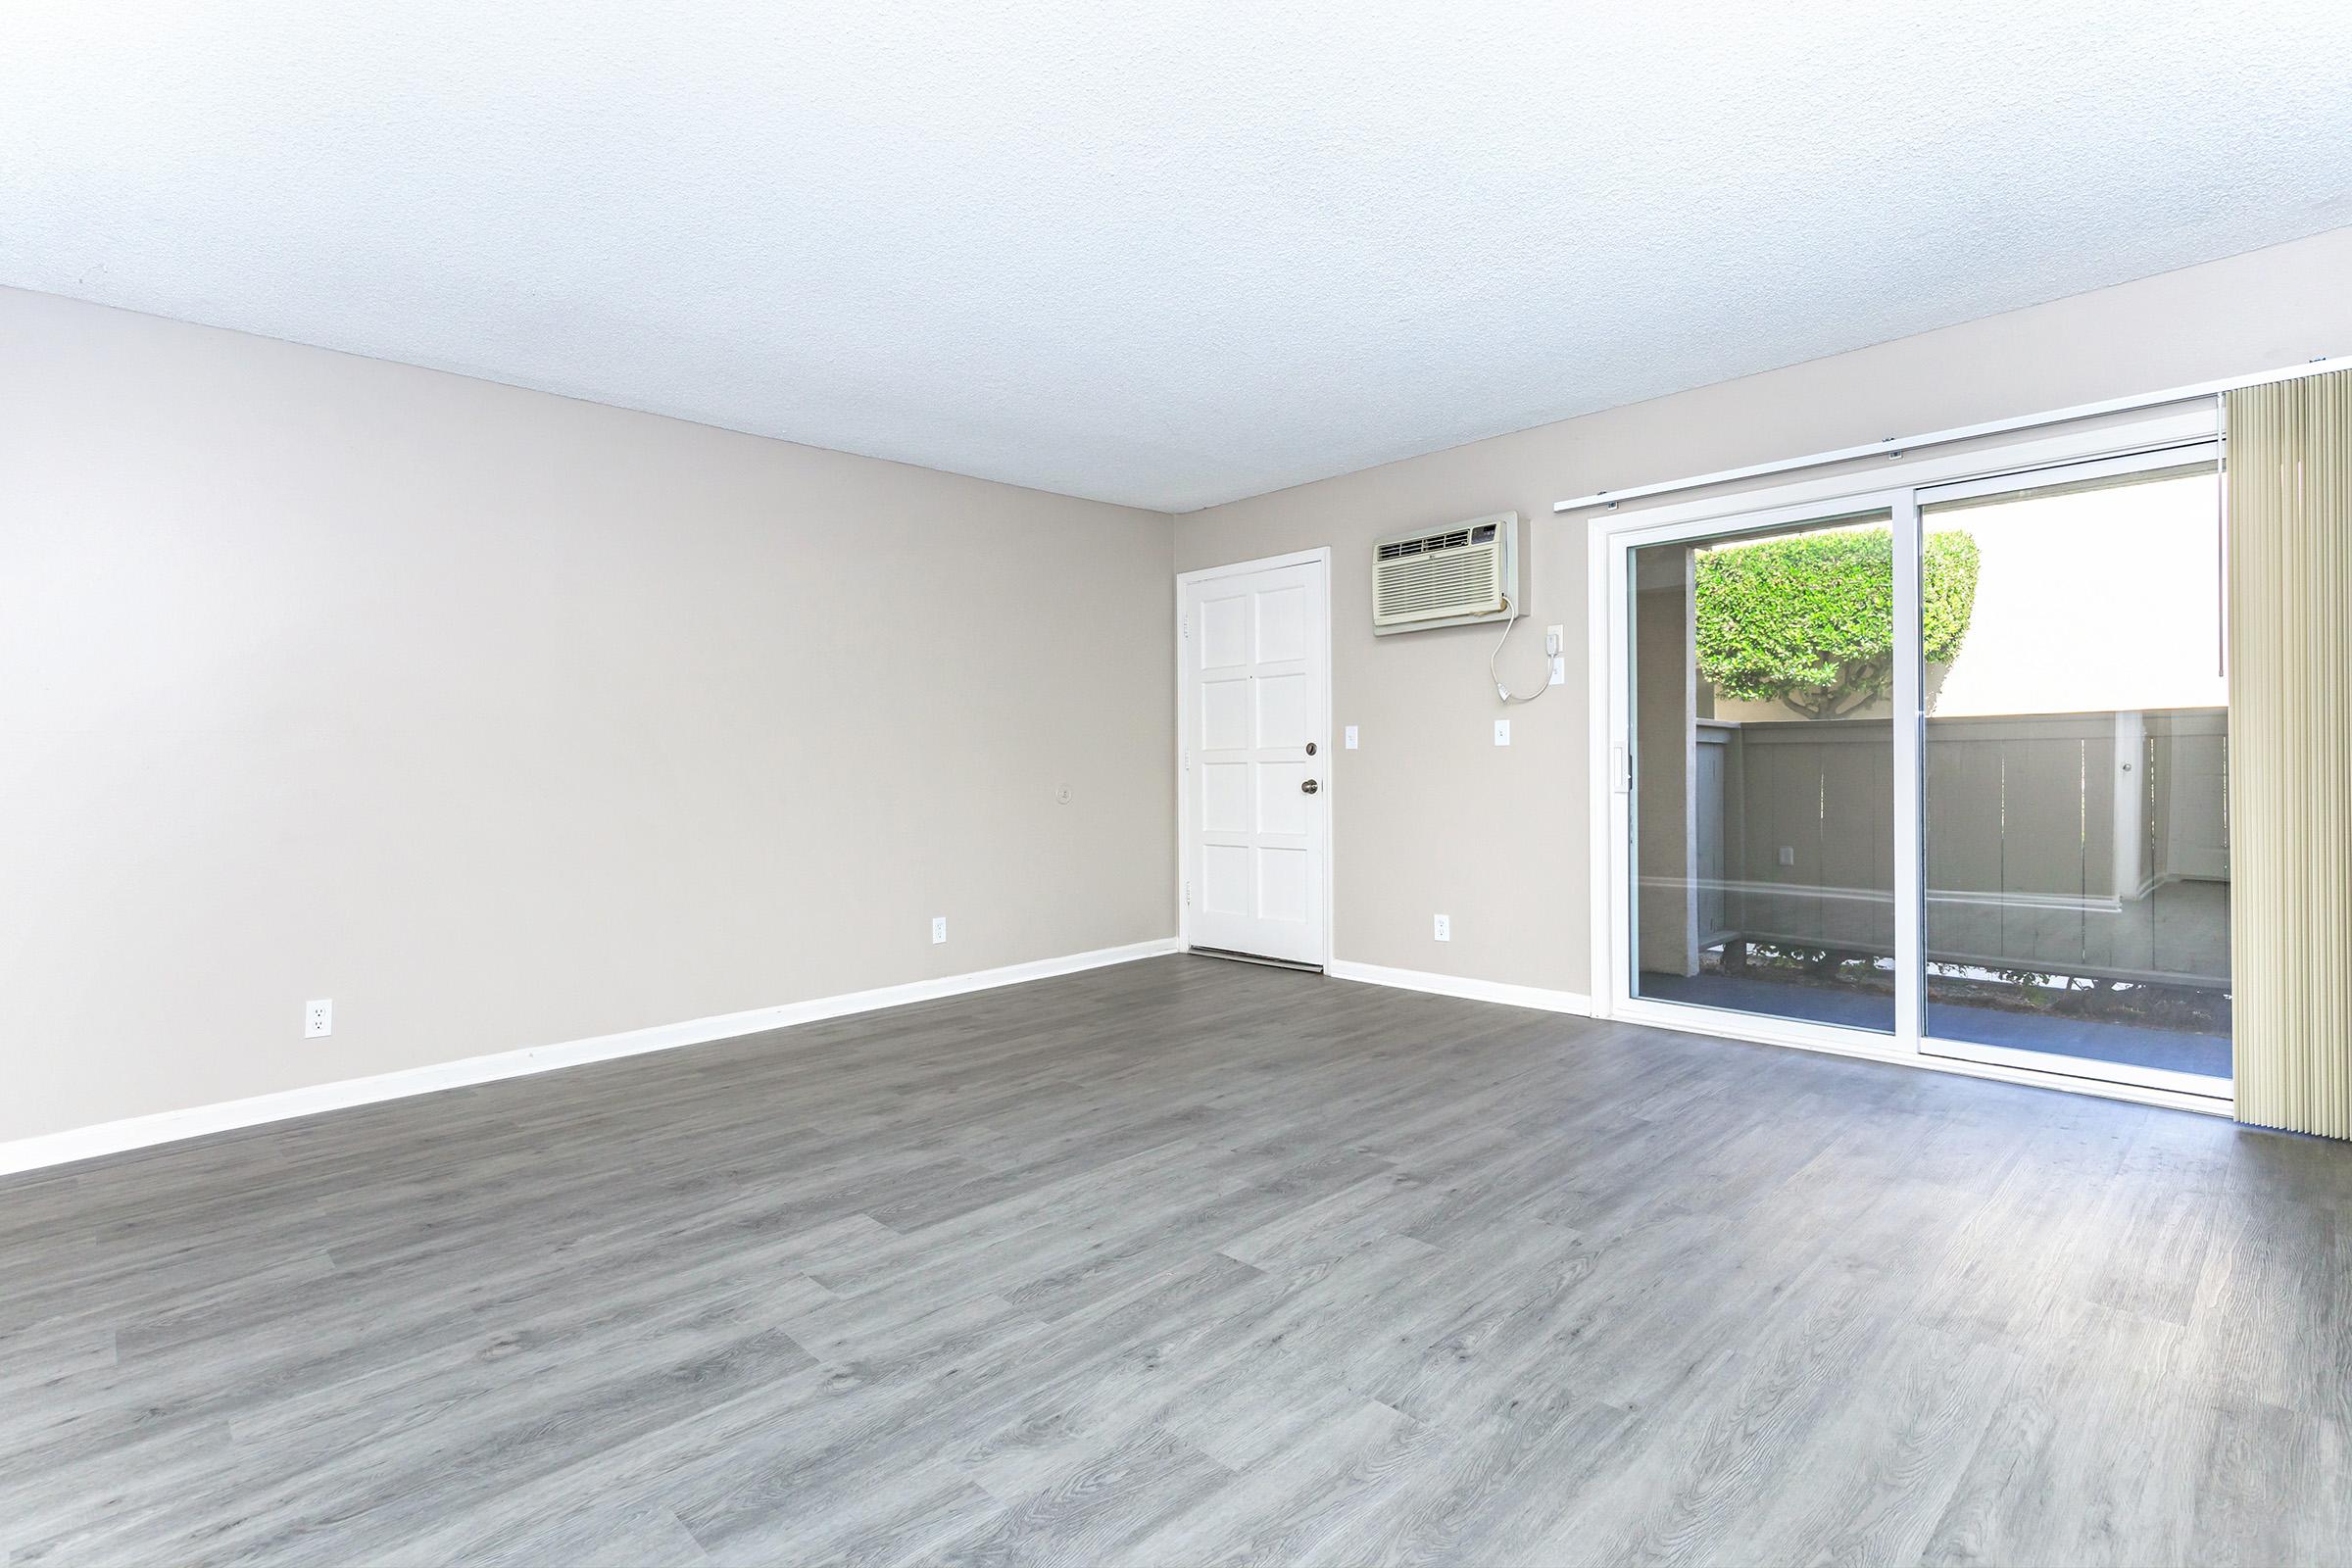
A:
(1254, 650)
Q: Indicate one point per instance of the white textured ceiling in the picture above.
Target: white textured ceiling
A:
(1167, 255)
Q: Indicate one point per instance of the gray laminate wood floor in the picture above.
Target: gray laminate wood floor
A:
(1185, 1261)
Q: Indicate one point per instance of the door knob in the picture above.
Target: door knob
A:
(1310, 786)
(1310, 750)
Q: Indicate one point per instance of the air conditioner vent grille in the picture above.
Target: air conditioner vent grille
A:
(1398, 549)
(1445, 578)
(1456, 583)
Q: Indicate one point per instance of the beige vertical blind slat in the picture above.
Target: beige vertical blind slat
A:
(2290, 751)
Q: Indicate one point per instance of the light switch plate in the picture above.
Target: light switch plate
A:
(1350, 738)
(1503, 732)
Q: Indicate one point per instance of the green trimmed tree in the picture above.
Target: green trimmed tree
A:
(1809, 621)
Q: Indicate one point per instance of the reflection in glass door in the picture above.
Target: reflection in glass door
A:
(2075, 773)
(1762, 667)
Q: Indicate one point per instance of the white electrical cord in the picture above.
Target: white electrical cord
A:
(1500, 690)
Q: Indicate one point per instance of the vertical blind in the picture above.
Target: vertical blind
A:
(2290, 755)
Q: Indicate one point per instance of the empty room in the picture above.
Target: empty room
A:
(1541, 786)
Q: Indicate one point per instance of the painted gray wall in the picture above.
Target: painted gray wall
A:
(505, 719)
(1430, 816)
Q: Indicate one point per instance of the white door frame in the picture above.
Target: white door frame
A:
(1320, 555)
(1891, 487)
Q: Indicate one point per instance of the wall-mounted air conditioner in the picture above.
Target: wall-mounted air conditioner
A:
(1457, 575)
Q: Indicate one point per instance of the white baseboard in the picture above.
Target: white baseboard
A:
(170, 1126)
(1448, 985)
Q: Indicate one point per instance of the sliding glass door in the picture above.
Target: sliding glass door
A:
(1763, 732)
(2077, 808)
(1937, 769)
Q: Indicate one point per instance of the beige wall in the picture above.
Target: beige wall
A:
(505, 719)
(1429, 815)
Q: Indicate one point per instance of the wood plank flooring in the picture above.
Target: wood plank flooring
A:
(1186, 1261)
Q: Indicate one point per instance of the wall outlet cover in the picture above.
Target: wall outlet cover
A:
(317, 1019)
(939, 928)
(1445, 929)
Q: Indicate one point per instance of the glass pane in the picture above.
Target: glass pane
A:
(1764, 772)
(2076, 772)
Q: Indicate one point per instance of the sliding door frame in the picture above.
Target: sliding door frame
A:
(1892, 487)
(2106, 468)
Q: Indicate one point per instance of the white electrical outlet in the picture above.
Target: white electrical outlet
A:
(1503, 732)
(1445, 928)
(317, 1019)
(1351, 741)
(1555, 646)
(939, 928)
